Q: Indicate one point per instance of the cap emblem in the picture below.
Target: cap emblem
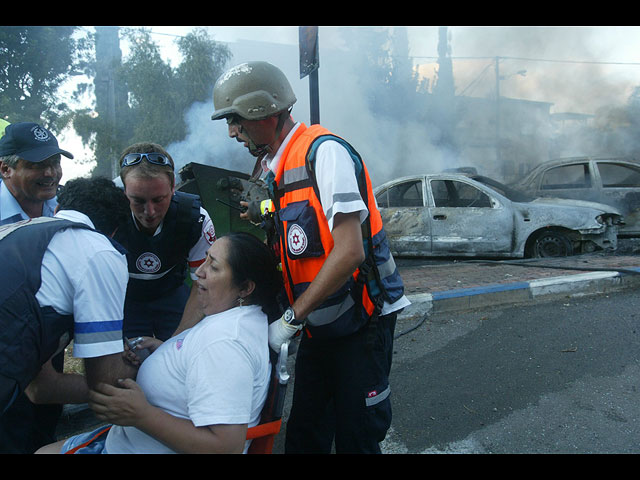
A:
(40, 134)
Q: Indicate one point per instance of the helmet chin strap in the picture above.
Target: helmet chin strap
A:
(260, 150)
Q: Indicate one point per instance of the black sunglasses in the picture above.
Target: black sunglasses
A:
(155, 158)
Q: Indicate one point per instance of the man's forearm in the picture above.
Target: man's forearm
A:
(343, 260)
(108, 369)
(51, 386)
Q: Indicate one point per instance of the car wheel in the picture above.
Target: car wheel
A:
(551, 243)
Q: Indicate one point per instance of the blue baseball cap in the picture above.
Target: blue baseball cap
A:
(30, 141)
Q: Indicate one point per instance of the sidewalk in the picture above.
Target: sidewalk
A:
(469, 284)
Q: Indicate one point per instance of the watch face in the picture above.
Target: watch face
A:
(288, 315)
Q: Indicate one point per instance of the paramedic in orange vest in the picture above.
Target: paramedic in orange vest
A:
(342, 285)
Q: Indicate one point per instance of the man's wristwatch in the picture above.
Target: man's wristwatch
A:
(290, 317)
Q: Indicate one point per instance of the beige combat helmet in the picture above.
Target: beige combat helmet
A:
(253, 91)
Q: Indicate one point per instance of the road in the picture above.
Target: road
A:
(554, 377)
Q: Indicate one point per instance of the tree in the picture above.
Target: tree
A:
(35, 61)
(157, 95)
(203, 62)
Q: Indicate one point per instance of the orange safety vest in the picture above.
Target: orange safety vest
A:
(306, 241)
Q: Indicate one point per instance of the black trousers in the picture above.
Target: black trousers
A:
(341, 392)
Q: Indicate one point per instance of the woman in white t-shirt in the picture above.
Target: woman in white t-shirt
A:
(200, 390)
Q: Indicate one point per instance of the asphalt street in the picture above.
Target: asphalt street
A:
(548, 377)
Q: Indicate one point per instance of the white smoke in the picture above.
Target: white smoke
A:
(391, 148)
(207, 142)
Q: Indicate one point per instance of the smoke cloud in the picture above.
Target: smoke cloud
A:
(391, 148)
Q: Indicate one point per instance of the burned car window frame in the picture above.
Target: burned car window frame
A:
(573, 176)
(605, 170)
(396, 195)
(457, 194)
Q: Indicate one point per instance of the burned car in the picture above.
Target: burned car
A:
(613, 181)
(455, 215)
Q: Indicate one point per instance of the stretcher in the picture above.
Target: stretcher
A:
(263, 435)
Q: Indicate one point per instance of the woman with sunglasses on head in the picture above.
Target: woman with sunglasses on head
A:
(199, 391)
(167, 236)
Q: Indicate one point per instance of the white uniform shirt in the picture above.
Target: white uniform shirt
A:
(85, 276)
(338, 187)
(214, 373)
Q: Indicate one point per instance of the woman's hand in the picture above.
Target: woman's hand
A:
(149, 343)
(124, 405)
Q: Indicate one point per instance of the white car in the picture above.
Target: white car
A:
(454, 215)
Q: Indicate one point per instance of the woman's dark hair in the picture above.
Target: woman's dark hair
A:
(99, 199)
(251, 259)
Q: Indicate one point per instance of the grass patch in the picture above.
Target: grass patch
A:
(72, 364)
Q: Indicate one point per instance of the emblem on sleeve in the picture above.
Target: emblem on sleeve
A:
(210, 234)
(148, 263)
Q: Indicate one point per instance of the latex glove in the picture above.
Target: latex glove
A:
(279, 332)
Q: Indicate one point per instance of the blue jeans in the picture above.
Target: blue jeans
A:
(96, 446)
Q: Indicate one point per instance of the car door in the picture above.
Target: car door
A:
(620, 184)
(620, 187)
(576, 180)
(468, 221)
(405, 218)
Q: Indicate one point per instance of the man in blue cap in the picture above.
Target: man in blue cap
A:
(31, 172)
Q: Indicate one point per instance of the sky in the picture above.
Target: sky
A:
(581, 69)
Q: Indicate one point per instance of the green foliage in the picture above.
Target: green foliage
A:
(35, 61)
(150, 97)
(143, 98)
(203, 62)
(153, 100)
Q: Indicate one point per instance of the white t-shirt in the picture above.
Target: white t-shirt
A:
(338, 187)
(214, 373)
(85, 276)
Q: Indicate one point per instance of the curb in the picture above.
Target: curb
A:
(581, 284)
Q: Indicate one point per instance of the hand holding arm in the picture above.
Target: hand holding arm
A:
(51, 386)
(129, 406)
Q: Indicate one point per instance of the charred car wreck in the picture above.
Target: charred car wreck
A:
(455, 215)
(610, 180)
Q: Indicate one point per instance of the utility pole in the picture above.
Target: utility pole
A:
(309, 65)
(108, 56)
(498, 157)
